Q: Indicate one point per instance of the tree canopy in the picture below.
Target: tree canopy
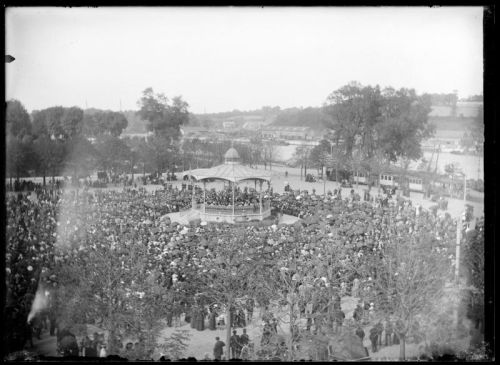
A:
(370, 120)
(164, 118)
(17, 119)
(104, 122)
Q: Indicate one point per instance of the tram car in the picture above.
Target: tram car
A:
(360, 177)
(413, 181)
(416, 184)
(389, 180)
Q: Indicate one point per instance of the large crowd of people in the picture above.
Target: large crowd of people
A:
(39, 223)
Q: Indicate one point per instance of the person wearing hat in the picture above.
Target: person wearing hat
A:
(212, 319)
(360, 333)
(374, 338)
(388, 332)
(218, 348)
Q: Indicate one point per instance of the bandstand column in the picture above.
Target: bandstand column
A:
(204, 197)
(260, 198)
(193, 198)
(233, 198)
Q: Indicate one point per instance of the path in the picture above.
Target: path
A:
(201, 342)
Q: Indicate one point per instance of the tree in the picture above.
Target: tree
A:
(410, 277)
(20, 155)
(302, 156)
(353, 111)
(320, 153)
(104, 122)
(403, 124)
(164, 119)
(71, 123)
(369, 119)
(113, 286)
(113, 153)
(162, 153)
(17, 119)
(477, 130)
(48, 121)
(50, 155)
(473, 271)
(269, 153)
(230, 276)
(80, 156)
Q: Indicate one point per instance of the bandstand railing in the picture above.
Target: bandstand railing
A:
(253, 210)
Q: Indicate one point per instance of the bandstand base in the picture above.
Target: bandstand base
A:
(236, 218)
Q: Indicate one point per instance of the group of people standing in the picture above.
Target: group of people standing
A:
(240, 346)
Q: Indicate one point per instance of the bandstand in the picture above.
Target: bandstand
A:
(234, 173)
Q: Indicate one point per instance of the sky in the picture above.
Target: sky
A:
(226, 58)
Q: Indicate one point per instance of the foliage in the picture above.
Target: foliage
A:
(48, 121)
(113, 153)
(80, 156)
(50, 154)
(308, 117)
(477, 131)
(113, 287)
(17, 119)
(409, 279)
(164, 118)
(101, 122)
(20, 155)
(176, 344)
(320, 153)
(472, 268)
(444, 99)
(135, 124)
(140, 152)
(369, 119)
(403, 124)
(353, 111)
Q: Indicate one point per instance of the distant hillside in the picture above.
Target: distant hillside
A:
(264, 115)
(308, 117)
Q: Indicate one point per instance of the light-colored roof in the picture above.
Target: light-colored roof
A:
(230, 172)
(232, 153)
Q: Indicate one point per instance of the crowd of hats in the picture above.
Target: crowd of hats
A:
(224, 197)
(56, 228)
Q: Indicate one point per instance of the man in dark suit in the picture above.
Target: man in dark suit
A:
(218, 348)
(235, 345)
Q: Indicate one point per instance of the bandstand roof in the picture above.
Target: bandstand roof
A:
(230, 172)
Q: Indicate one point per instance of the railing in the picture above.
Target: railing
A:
(229, 213)
(238, 210)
